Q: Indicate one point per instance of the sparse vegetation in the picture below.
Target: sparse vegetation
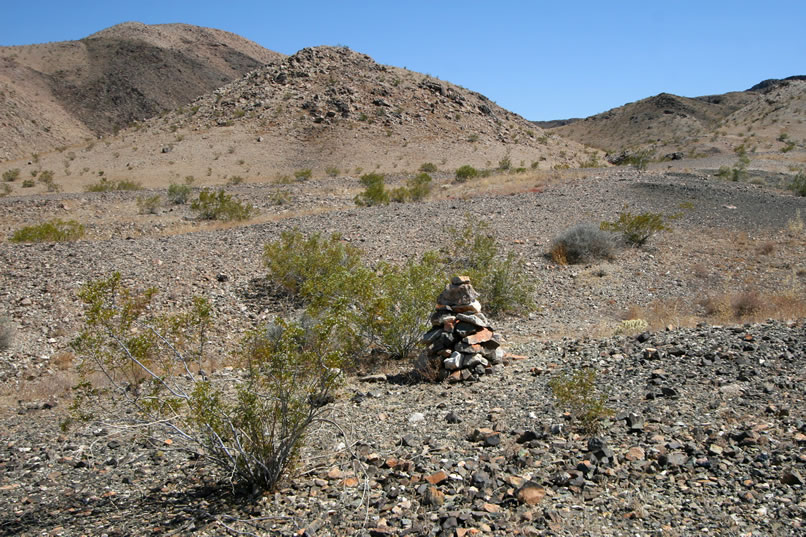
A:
(11, 175)
(428, 167)
(332, 171)
(221, 206)
(501, 280)
(251, 427)
(178, 194)
(6, 333)
(149, 204)
(235, 180)
(53, 231)
(798, 184)
(105, 185)
(374, 191)
(582, 243)
(303, 174)
(577, 392)
(636, 229)
(28, 183)
(466, 172)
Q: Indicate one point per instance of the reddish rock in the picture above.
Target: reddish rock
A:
(485, 334)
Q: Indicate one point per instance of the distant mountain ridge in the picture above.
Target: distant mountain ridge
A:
(60, 93)
(769, 117)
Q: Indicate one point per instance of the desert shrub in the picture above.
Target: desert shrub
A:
(5, 190)
(466, 172)
(631, 326)
(428, 167)
(149, 204)
(746, 303)
(501, 280)
(53, 231)
(582, 243)
(303, 175)
(280, 197)
(11, 175)
(332, 171)
(178, 194)
(28, 183)
(639, 159)
(419, 186)
(577, 393)
(105, 185)
(251, 426)
(374, 191)
(636, 229)
(505, 163)
(235, 180)
(221, 206)
(6, 333)
(382, 310)
(400, 195)
(798, 184)
(299, 264)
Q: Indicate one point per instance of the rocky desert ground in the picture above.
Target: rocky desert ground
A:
(708, 427)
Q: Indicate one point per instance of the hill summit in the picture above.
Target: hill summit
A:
(58, 93)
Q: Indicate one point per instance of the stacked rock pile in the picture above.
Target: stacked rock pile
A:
(462, 340)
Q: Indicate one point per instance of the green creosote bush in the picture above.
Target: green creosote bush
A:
(382, 309)
(6, 333)
(303, 175)
(428, 167)
(28, 183)
(639, 159)
(53, 231)
(417, 188)
(332, 171)
(577, 393)
(636, 229)
(178, 194)
(250, 426)
(466, 172)
(582, 243)
(11, 175)
(501, 280)
(798, 184)
(105, 185)
(149, 204)
(374, 191)
(221, 206)
(298, 264)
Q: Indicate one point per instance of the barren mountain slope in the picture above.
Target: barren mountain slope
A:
(712, 124)
(58, 93)
(326, 109)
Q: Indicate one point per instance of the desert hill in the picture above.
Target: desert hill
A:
(57, 94)
(324, 109)
(766, 118)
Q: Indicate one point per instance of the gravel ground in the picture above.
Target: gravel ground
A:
(720, 447)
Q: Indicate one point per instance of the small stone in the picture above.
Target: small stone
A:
(417, 417)
(485, 334)
(530, 493)
(635, 453)
(714, 449)
(459, 280)
(452, 417)
(473, 307)
(792, 477)
(453, 362)
(437, 478)
(458, 295)
(434, 496)
(476, 360)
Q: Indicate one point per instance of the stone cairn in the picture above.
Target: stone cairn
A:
(462, 340)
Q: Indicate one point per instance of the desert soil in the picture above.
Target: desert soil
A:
(709, 431)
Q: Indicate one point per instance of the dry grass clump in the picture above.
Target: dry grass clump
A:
(582, 243)
(752, 305)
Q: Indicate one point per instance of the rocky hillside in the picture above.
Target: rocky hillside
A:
(58, 93)
(328, 109)
(767, 118)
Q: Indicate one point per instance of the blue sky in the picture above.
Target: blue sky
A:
(543, 60)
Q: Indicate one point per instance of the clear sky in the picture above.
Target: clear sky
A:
(540, 59)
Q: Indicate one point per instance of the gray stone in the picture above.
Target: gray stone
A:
(457, 295)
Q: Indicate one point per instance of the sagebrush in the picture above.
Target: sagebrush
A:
(582, 243)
